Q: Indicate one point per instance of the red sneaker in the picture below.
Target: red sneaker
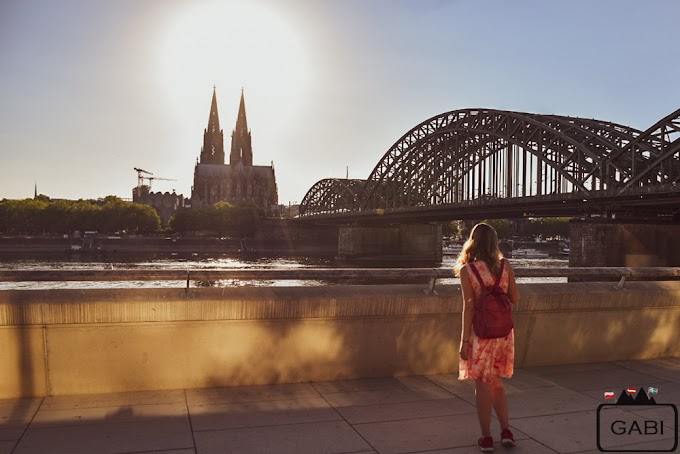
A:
(485, 444)
(506, 438)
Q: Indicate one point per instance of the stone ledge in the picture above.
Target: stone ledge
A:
(62, 306)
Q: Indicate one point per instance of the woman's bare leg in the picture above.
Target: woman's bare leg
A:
(484, 400)
(500, 402)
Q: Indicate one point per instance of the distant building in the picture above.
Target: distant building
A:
(166, 204)
(238, 181)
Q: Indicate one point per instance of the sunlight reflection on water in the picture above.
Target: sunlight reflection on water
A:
(216, 263)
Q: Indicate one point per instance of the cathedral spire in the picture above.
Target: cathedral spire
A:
(213, 138)
(241, 121)
(241, 149)
(214, 119)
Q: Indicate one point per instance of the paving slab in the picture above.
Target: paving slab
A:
(111, 438)
(265, 413)
(569, 368)
(12, 430)
(524, 379)
(19, 409)
(644, 448)
(6, 447)
(545, 401)
(363, 384)
(572, 432)
(100, 415)
(250, 394)
(527, 446)
(552, 409)
(113, 400)
(425, 434)
(172, 451)
(406, 410)
(372, 397)
(616, 377)
(663, 368)
(312, 438)
(425, 388)
(451, 383)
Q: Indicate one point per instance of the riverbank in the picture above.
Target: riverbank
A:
(274, 237)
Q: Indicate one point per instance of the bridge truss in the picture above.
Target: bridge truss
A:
(486, 155)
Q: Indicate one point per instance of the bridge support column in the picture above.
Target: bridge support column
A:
(405, 242)
(612, 243)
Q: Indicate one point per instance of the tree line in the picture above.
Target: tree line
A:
(545, 227)
(221, 218)
(107, 215)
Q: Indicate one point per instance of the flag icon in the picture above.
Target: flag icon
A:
(631, 390)
(653, 390)
(609, 395)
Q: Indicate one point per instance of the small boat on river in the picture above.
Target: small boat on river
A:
(528, 253)
(452, 249)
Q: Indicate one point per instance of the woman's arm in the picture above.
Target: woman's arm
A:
(468, 311)
(513, 293)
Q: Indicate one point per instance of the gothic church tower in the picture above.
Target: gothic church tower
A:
(239, 181)
(241, 148)
(212, 151)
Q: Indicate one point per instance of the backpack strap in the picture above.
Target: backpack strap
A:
(479, 278)
(474, 270)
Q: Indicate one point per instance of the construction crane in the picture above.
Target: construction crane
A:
(141, 178)
(157, 178)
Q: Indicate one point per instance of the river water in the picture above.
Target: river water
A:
(213, 262)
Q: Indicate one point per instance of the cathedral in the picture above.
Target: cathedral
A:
(239, 181)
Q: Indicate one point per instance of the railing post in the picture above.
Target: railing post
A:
(431, 290)
(621, 283)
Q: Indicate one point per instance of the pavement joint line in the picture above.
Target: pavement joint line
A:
(191, 424)
(110, 406)
(493, 416)
(101, 422)
(398, 387)
(157, 450)
(251, 402)
(403, 402)
(269, 425)
(440, 386)
(23, 433)
(351, 425)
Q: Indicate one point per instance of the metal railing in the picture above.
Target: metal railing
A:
(327, 274)
(318, 274)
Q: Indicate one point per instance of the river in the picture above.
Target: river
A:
(213, 262)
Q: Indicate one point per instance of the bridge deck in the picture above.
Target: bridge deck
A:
(552, 409)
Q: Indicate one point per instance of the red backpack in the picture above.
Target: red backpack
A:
(493, 313)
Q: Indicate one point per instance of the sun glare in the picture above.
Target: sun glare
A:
(232, 45)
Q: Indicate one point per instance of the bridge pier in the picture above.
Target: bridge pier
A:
(609, 242)
(404, 242)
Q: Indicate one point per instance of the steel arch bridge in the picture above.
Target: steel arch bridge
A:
(478, 156)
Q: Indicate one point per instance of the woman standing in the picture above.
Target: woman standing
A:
(486, 361)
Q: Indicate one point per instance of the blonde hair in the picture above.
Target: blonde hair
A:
(482, 245)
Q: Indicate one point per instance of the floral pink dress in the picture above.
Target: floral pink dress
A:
(488, 357)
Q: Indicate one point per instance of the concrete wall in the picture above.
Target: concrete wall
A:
(94, 341)
(421, 239)
(408, 240)
(613, 243)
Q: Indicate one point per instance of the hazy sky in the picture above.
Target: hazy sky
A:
(90, 89)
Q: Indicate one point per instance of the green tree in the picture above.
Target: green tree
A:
(502, 226)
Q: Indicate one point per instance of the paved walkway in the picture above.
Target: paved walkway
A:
(553, 409)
